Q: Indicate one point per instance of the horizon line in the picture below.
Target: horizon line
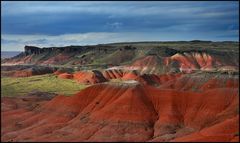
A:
(133, 42)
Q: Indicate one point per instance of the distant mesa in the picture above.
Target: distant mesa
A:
(155, 57)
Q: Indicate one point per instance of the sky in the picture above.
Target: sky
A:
(62, 23)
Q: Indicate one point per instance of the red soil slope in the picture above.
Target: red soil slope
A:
(113, 74)
(190, 61)
(130, 75)
(92, 77)
(152, 79)
(126, 112)
(57, 72)
(120, 74)
(89, 77)
(199, 82)
(149, 61)
(65, 76)
(26, 59)
(57, 59)
(146, 64)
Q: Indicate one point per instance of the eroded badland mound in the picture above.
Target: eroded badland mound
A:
(155, 94)
(128, 111)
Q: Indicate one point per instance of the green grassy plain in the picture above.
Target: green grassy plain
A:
(11, 86)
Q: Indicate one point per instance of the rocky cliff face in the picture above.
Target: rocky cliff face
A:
(28, 50)
(31, 50)
(162, 57)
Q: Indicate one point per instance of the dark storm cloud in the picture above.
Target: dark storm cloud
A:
(202, 20)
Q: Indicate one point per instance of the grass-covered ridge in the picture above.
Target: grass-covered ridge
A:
(11, 86)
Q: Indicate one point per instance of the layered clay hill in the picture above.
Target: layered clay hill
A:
(152, 57)
(130, 111)
(147, 92)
